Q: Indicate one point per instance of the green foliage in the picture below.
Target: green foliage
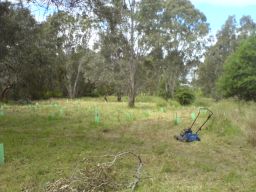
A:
(239, 78)
(29, 65)
(184, 95)
(222, 126)
(233, 119)
(149, 99)
(228, 40)
(216, 55)
(56, 59)
(104, 88)
(161, 104)
(53, 94)
(174, 103)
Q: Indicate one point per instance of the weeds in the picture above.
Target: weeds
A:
(39, 150)
(251, 133)
(236, 118)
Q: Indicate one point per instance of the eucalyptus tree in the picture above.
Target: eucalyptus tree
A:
(228, 39)
(119, 44)
(239, 76)
(212, 68)
(7, 40)
(26, 60)
(247, 27)
(73, 32)
(177, 29)
(113, 69)
(136, 28)
(108, 12)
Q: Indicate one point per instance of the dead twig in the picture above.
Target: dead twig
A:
(98, 177)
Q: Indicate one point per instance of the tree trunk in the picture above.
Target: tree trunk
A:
(132, 91)
(5, 91)
(76, 80)
(131, 100)
(69, 88)
(105, 98)
(119, 97)
(132, 64)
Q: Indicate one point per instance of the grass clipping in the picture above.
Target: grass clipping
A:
(106, 176)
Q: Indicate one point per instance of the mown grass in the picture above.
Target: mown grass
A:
(46, 141)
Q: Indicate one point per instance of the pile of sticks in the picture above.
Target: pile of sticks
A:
(99, 177)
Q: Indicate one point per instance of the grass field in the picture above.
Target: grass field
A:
(48, 140)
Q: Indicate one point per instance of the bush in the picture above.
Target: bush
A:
(184, 95)
(239, 77)
(174, 103)
(49, 94)
(161, 104)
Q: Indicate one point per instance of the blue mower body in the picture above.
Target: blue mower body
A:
(190, 137)
(187, 135)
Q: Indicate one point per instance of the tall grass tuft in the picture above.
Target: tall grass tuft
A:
(252, 132)
(237, 117)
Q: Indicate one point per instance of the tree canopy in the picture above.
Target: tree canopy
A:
(121, 48)
(227, 41)
(239, 76)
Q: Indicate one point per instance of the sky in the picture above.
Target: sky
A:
(217, 11)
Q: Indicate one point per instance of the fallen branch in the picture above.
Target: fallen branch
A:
(98, 177)
(137, 175)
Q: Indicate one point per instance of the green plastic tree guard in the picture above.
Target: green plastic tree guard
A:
(97, 117)
(1, 113)
(177, 120)
(193, 116)
(1, 154)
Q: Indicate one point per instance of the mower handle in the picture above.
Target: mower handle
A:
(209, 116)
(204, 108)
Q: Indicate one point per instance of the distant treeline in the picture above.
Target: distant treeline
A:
(136, 48)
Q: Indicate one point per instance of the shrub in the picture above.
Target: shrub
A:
(184, 95)
(239, 76)
(161, 104)
(49, 94)
(174, 103)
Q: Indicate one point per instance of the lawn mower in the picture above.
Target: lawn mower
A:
(187, 135)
